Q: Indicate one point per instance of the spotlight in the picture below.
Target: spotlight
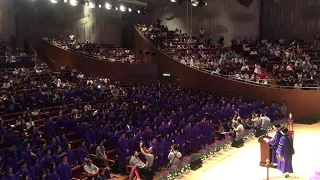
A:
(138, 11)
(122, 8)
(116, 8)
(129, 9)
(108, 6)
(65, 1)
(54, 1)
(194, 3)
(173, 0)
(99, 5)
(73, 2)
(91, 5)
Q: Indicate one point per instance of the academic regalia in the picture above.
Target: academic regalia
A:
(154, 145)
(64, 171)
(72, 158)
(82, 153)
(10, 177)
(284, 150)
(189, 138)
(52, 175)
(123, 148)
(50, 130)
(81, 131)
(166, 146)
(56, 158)
(46, 161)
(64, 143)
(137, 140)
(181, 140)
(147, 136)
(162, 130)
(132, 145)
(90, 137)
(274, 143)
(26, 155)
(204, 126)
(197, 143)
(211, 134)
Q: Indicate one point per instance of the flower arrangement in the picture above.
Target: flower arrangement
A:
(175, 172)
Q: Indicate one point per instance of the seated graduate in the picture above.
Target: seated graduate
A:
(90, 169)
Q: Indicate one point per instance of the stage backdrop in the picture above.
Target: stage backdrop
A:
(39, 18)
(290, 19)
(219, 17)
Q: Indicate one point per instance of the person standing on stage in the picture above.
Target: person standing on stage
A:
(284, 153)
(274, 142)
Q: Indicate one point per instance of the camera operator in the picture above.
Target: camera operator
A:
(147, 169)
(174, 156)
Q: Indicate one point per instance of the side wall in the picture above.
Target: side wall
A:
(219, 17)
(7, 19)
(290, 19)
(39, 18)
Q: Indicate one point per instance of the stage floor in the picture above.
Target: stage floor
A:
(243, 163)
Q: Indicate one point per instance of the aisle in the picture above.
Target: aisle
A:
(243, 163)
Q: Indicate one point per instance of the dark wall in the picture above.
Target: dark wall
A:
(290, 18)
(302, 103)
(57, 57)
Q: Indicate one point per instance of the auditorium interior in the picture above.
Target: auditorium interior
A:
(159, 89)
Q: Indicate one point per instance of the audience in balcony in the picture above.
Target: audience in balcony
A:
(101, 51)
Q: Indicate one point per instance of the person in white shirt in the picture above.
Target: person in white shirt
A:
(90, 168)
(265, 121)
(174, 156)
(239, 129)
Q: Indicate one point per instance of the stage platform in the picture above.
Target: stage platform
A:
(243, 163)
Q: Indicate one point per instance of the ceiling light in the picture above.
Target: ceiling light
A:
(195, 2)
(65, 1)
(73, 2)
(99, 5)
(91, 5)
(173, 0)
(108, 6)
(54, 1)
(129, 9)
(116, 8)
(122, 8)
(138, 11)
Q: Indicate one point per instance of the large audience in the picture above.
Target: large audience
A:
(101, 51)
(204, 54)
(52, 124)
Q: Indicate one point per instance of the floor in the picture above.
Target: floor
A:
(243, 163)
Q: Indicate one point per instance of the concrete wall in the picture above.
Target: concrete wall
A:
(219, 17)
(38, 18)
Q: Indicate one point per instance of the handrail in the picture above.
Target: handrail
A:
(224, 76)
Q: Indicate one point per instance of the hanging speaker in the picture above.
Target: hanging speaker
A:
(246, 3)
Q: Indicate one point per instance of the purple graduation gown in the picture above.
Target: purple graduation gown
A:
(82, 153)
(211, 133)
(64, 171)
(72, 159)
(188, 135)
(90, 137)
(122, 152)
(10, 177)
(197, 143)
(274, 146)
(26, 155)
(284, 150)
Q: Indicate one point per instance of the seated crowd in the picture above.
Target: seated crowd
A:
(293, 63)
(9, 51)
(74, 125)
(202, 53)
(100, 51)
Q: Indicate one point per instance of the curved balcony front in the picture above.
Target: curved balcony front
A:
(302, 103)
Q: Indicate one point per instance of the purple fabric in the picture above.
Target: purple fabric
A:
(284, 150)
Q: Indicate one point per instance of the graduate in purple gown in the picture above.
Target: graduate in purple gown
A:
(147, 134)
(155, 145)
(197, 135)
(83, 152)
(182, 141)
(56, 156)
(189, 137)
(123, 150)
(72, 158)
(9, 175)
(64, 169)
(211, 132)
(64, 141)
(274, 143)
(90, 137)
(137, 138)
(52, 173)
(24, 169)
(166, 147)
(162, 129)
(46, 159)
(50, 130)
(285, 150)
(27, 155)
(204, 126)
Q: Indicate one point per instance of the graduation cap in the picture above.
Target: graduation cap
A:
(12, 149)
(62, 155)
(21, 163)
(277, 125)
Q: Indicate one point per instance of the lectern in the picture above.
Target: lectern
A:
(264, 150)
